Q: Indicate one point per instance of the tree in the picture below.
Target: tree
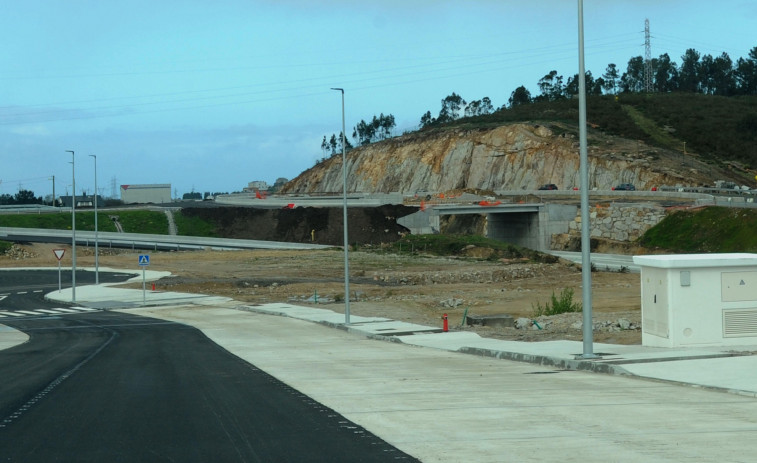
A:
(451, 106)
(519, 96)
(633, 79)
(324, 145)
(551, 87)
(745, 74)
(689, 74)
(611, 79)
(593, 87)
(479, 107)
(427, 120)
(332, 144)
(721, 79)
(380, 128)
(665, 74)
(26, 197)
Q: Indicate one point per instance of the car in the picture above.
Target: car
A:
(625, 186)
(548, 186)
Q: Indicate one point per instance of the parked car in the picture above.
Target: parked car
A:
(625, 186)
(548, 186)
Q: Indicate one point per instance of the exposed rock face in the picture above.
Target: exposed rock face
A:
(509, 157)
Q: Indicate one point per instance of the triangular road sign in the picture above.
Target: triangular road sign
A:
(59, 253)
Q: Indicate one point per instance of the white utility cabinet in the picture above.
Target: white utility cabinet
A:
(698, 299)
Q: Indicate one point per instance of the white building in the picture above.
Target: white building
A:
(257, 185)
(142, 194)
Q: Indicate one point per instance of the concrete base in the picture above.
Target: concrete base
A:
(503, 320)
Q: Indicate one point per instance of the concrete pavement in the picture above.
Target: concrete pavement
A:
(433, 399)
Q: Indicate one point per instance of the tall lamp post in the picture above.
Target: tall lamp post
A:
(344, 208)
(73, 226)
(97, 254)
(588, 324)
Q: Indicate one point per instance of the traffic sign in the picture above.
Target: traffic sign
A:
(144, 259)
(59, 253)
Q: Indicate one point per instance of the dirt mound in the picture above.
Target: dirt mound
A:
(373, 225)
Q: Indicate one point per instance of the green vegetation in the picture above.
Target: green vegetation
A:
(131, 221)
(59, 221)
(149, 222)
(707, 230)
(460, 245)
(558, 305)
(193, 226)
(718, 129)
(4, 246)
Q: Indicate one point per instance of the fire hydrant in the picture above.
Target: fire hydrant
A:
(445, 324)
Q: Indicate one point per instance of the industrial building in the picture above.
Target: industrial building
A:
(143, 194)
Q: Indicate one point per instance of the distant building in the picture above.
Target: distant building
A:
(257, 185)
(143, 194)
(81, 201)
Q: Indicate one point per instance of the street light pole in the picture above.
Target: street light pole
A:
(73, 226)
(344, 219)
(588, 324)
(97, 254)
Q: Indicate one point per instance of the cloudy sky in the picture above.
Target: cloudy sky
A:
(210, 95)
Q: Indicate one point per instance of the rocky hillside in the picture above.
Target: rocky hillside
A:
(517, 156)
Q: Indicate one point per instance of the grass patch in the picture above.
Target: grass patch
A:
(706, 230)
(58, 221)
(557, 305)
(193, 226)
(149, 222)
(5, 246)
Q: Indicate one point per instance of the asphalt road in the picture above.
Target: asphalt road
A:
(108, 386)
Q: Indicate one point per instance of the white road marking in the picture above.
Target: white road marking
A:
(12, 314)
(48, 311)
(28, 312)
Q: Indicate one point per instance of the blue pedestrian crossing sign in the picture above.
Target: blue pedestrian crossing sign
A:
(144, 259)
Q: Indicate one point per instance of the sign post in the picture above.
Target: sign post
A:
(144, 261)
(59, 255)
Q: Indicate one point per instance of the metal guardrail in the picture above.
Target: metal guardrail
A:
(146, 241)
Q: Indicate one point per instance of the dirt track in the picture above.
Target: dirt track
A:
(414, 289)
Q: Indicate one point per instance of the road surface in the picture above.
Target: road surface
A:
(94, 385)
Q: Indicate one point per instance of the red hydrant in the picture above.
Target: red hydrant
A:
(445, 325)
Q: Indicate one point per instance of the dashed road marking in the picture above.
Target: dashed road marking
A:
(46, 312)
(10, 314)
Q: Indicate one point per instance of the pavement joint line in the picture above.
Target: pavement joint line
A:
(590, 365)
(366, 328)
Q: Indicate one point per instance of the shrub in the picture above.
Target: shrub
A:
(558, 305)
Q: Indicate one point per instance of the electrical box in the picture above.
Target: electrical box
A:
(698, 299)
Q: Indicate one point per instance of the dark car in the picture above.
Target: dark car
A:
(625, 186)
(548, 186)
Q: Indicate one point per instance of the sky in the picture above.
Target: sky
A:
(210, 95)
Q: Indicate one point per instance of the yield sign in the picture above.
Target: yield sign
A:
(59, 253)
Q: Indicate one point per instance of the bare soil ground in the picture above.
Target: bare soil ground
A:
(417, 289)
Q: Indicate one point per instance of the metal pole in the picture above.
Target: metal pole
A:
(344, 219)
(588, 325)
(73, 226)
(97, 254)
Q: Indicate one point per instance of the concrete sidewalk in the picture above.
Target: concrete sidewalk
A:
(730, 369)
(427, 395)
